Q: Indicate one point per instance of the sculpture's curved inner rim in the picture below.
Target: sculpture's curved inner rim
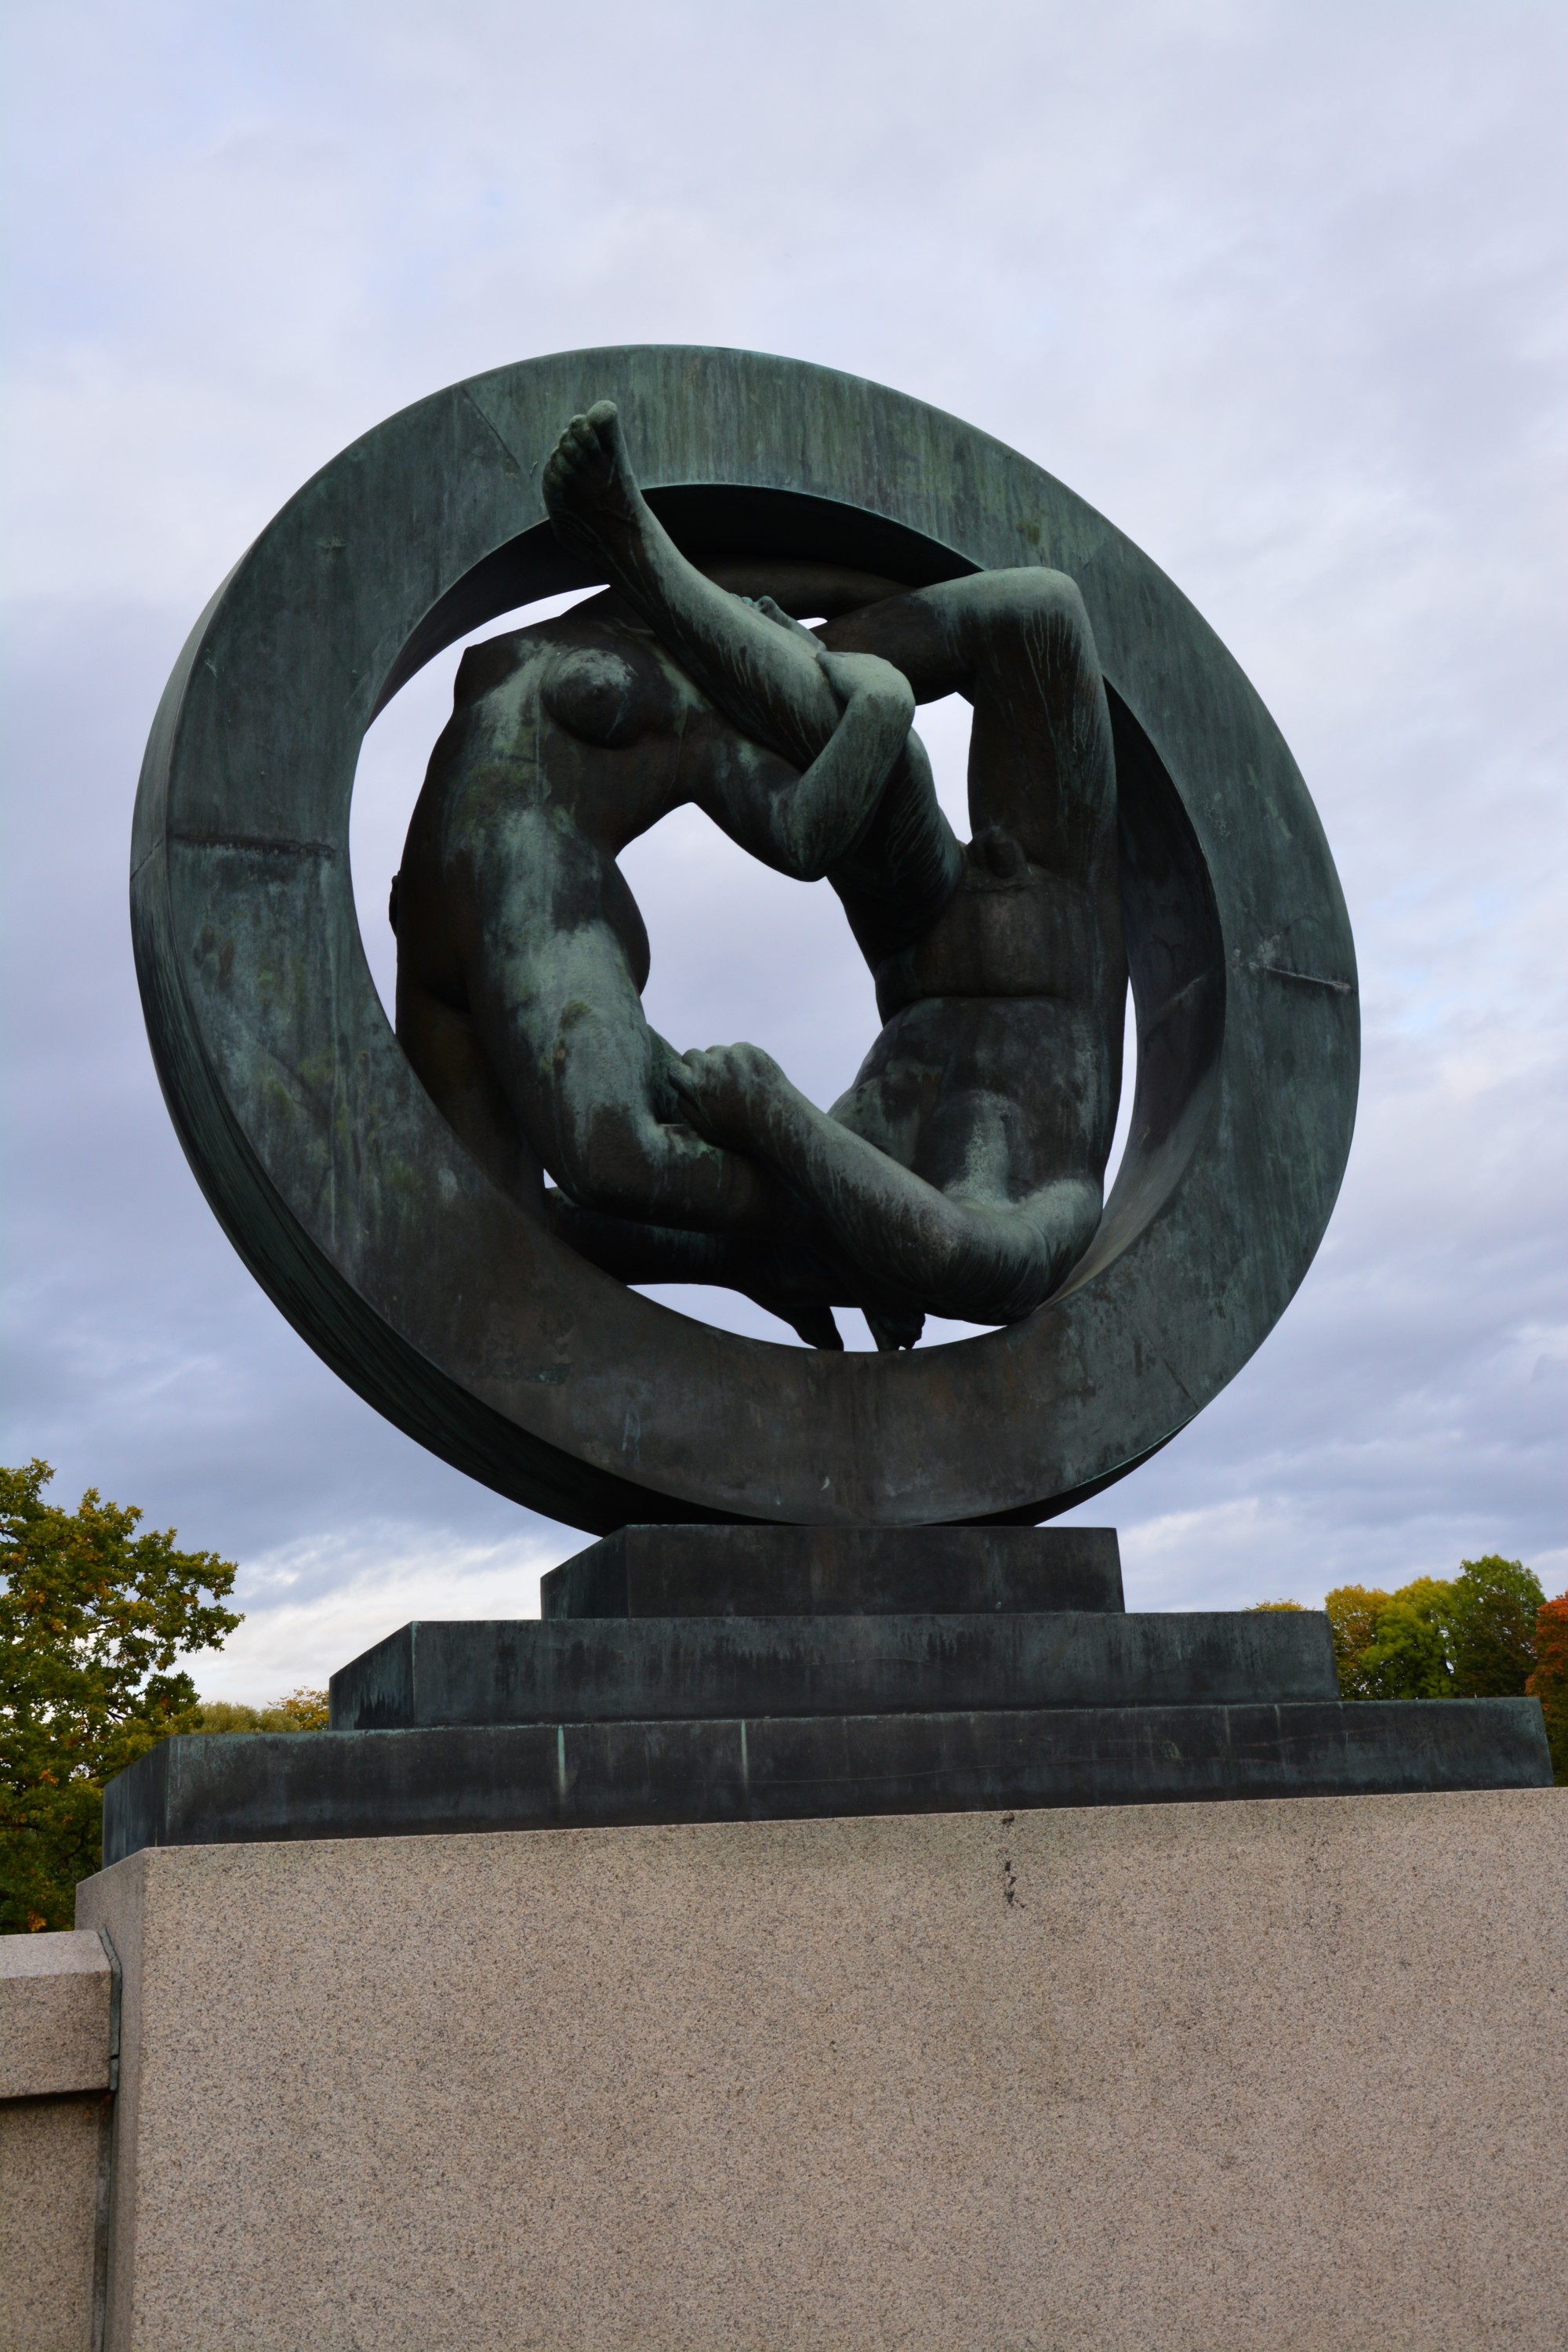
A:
(1175, 953)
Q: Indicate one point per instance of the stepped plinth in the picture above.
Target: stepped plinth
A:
(780, 1673)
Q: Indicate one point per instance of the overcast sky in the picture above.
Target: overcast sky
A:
(1278, 288)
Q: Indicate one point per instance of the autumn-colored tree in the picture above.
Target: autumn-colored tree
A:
(92, 1617)
(1352, 1612)
(1471, 1637)
(1549, 1681)
(303, 1710)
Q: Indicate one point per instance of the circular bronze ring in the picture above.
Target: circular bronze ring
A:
(439, 1300)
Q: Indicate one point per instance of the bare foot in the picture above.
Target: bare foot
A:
(590, 491)
(893, 1328)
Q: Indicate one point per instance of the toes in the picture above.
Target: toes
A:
(895, 1328)
(585, 443)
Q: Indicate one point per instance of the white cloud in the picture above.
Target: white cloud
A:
(311, 1607)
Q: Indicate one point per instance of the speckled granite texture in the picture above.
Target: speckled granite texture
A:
(51, 2164)
(56, 1998)
(1249, 2075)
(55, 2024)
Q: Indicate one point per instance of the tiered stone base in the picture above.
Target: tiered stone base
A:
(782, 1673)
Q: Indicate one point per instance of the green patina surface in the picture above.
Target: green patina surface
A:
(435, 1292)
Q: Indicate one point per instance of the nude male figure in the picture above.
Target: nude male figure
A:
(962, 1173)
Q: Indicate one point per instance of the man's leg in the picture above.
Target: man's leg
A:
(1018, 646)
(1041, 773)
(798, 1281)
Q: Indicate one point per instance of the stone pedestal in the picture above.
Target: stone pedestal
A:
(1278, 2073)
(788, 1673)
(58, 2025)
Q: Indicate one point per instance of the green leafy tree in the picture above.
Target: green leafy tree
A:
(1549, 1681)
(1471, 1637)
(1411, 1653)
(92, 1617)
(1494, 1612)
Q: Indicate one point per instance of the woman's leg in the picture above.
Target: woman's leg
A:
(764, 678)
(559, 1018)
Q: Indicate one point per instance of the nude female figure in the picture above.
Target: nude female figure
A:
(962, 1173)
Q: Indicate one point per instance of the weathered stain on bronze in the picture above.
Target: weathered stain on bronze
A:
(682, 1669)
(420, 1279)
(820, 1572)
(202, 1788)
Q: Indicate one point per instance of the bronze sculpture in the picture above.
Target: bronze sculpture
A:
(892, 1631)
(420, 1251)
(962, 1174)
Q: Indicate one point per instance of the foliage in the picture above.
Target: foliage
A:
(1549, 1683)
(1494, 1612)
(303, 1710)
(1471, 1637)
(92, 1617)
(1263, 1608)
(1410, 1654)
(1352, 1612)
